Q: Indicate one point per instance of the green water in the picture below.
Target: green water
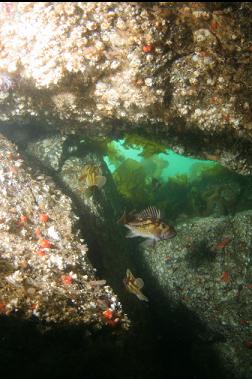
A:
(147, 173)
(164, 165)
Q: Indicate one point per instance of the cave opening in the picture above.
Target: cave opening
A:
(141, 172)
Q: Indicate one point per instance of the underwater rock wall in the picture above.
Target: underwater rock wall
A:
(177, 70)
(84, 176)
(207, 270)
(45, 271)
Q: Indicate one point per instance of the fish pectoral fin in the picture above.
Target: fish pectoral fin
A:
(139, 282)
(148, 243)
(100, 181)
(141, 296)
(130, 234)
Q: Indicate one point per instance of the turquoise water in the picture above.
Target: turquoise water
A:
(164, 165)
(147, 173)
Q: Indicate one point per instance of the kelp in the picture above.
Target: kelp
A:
(149, 146)
(207, 188)
(114, 155)
(130, 180)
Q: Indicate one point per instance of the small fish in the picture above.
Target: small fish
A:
(91, 175)
(134, 285)
(147, 224)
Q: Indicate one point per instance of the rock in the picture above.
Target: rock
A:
(48, 151)
(207, 269)
(43, 276)
(76, 168)
(181, 73)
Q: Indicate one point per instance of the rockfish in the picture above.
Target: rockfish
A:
(147, 224)
(92, 176)
(134, 285)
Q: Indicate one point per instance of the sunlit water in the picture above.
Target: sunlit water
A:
(174, 164)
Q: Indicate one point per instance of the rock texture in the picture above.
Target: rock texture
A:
(180, 71)
(44, 266)
(207, 269)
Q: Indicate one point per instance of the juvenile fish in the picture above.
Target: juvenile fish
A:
(92, 176)
(134, 285)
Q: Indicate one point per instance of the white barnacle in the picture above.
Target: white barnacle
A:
(56, 260)
(197, 112)
(148, 82)
(53, 233)
(15, 279)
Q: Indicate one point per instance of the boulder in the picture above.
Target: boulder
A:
(177, 71)
(206, 270)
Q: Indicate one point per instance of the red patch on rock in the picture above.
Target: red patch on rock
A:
(23, 219)
(108, 314)
(45, 244)
(148, 48)
(43, 217)
(66, 279)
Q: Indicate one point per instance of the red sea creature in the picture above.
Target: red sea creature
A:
(45, 244)
(248, 286)
(66, 279)
(43, 217)
(23, 219)
(108, 314)
(148, 48)
(41, 252)
(223, 243)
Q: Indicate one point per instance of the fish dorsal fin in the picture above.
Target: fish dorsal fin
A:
(150, 212)
(139, 283)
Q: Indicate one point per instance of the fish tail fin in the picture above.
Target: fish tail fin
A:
(142, 297)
